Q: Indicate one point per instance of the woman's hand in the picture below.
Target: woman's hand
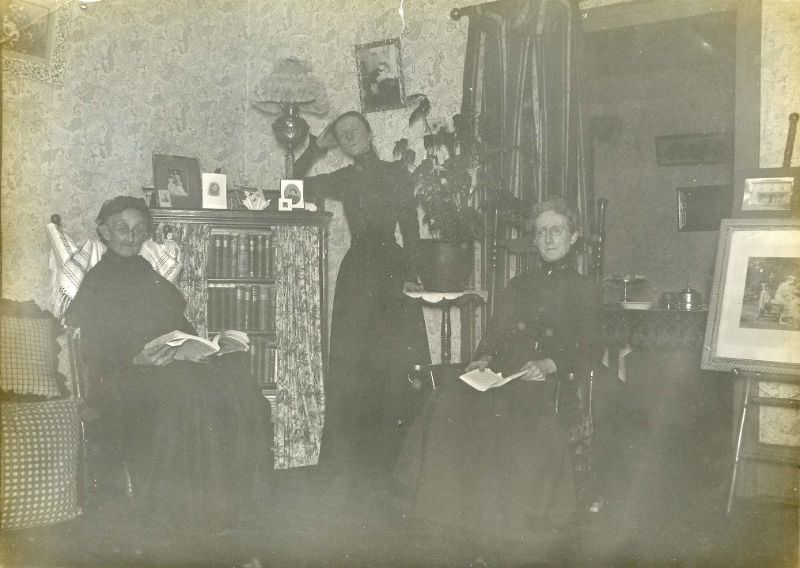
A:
(481, 364)
(537, 370)
(157, 356)
(410, 286)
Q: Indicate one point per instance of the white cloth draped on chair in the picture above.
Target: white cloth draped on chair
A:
(70, 262)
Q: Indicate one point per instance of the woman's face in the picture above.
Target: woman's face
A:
(354, 138)
(553, 237)
(125, 232)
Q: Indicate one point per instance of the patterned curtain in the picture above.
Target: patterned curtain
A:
(521, 94)
(300, 401)
(192, 242)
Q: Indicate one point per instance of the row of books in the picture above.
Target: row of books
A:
(262, 359)
(240, 255)
(249, 307)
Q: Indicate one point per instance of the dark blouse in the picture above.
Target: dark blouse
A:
(375, 195)
(554, 313)
(121, 305)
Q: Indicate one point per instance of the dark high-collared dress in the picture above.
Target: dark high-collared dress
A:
(498, 462)
(194, 435)
(376, 333)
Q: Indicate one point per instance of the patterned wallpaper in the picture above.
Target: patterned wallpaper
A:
(143, 77)
(780, 80)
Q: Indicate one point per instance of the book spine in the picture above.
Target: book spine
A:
(226, 256)
(211, 307)
(233, 269)
(251, 265)
(253, 359)
(261, 271)
(230, 305)
(238, 307)
(243, 268)
(268, 256)
(246, 308)
(263, 307)
(255, 313)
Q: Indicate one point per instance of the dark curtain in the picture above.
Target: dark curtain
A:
(520, 92)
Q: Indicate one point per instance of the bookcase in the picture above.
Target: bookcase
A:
(263, 273)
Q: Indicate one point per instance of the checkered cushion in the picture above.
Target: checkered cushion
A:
(40, 448)
(28, 355)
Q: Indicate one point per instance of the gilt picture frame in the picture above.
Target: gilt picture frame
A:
(379, 70)
(33, 38)
(754, 310)
(181, 177)
(767, 193)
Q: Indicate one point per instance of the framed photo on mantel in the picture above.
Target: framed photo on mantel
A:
(180, 176)
(754, 313)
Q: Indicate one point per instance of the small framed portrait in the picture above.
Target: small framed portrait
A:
(181, 177)
(767, 192)
(164, 199)
(215, 191)
(291, 196)
(380, 75)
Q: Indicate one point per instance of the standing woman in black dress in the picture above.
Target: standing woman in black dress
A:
(375, 333)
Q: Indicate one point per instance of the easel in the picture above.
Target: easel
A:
(752, 400)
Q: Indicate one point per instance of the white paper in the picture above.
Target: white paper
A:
(487, 379)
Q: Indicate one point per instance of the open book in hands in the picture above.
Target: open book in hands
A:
(487, 379)
(193, 347)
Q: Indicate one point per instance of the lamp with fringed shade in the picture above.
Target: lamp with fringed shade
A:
(288, 89)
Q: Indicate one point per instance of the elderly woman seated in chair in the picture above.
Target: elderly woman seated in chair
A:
(498, 462)
(193, 433)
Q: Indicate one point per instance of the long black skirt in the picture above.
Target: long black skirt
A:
(376, 335)
(495, 462)
(197, 443)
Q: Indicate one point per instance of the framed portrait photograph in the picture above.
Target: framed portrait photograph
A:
(754, 312)
(702, 208)
(767, 192)
(215, 191)
(33, 37)
(291, 196)
(164, 199)
(380, 75)
(694, 149)
(181, 177)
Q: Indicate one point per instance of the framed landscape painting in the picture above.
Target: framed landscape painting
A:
(754, 313)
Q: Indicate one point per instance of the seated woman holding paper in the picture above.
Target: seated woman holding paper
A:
(193, 432)
(497, 462)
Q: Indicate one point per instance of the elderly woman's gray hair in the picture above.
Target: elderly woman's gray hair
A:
(556, 205)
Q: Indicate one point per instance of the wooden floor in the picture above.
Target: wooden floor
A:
(670, 530)
(663, 474)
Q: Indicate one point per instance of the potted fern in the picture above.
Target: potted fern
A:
(445, 184)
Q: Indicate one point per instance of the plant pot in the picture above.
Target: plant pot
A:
(444, 266)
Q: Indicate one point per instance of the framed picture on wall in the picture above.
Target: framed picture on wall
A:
(754, 312)
(701, 208)
(694, 149)
(181, 177)
(33, 38)
(767, 192)
(380, 75)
